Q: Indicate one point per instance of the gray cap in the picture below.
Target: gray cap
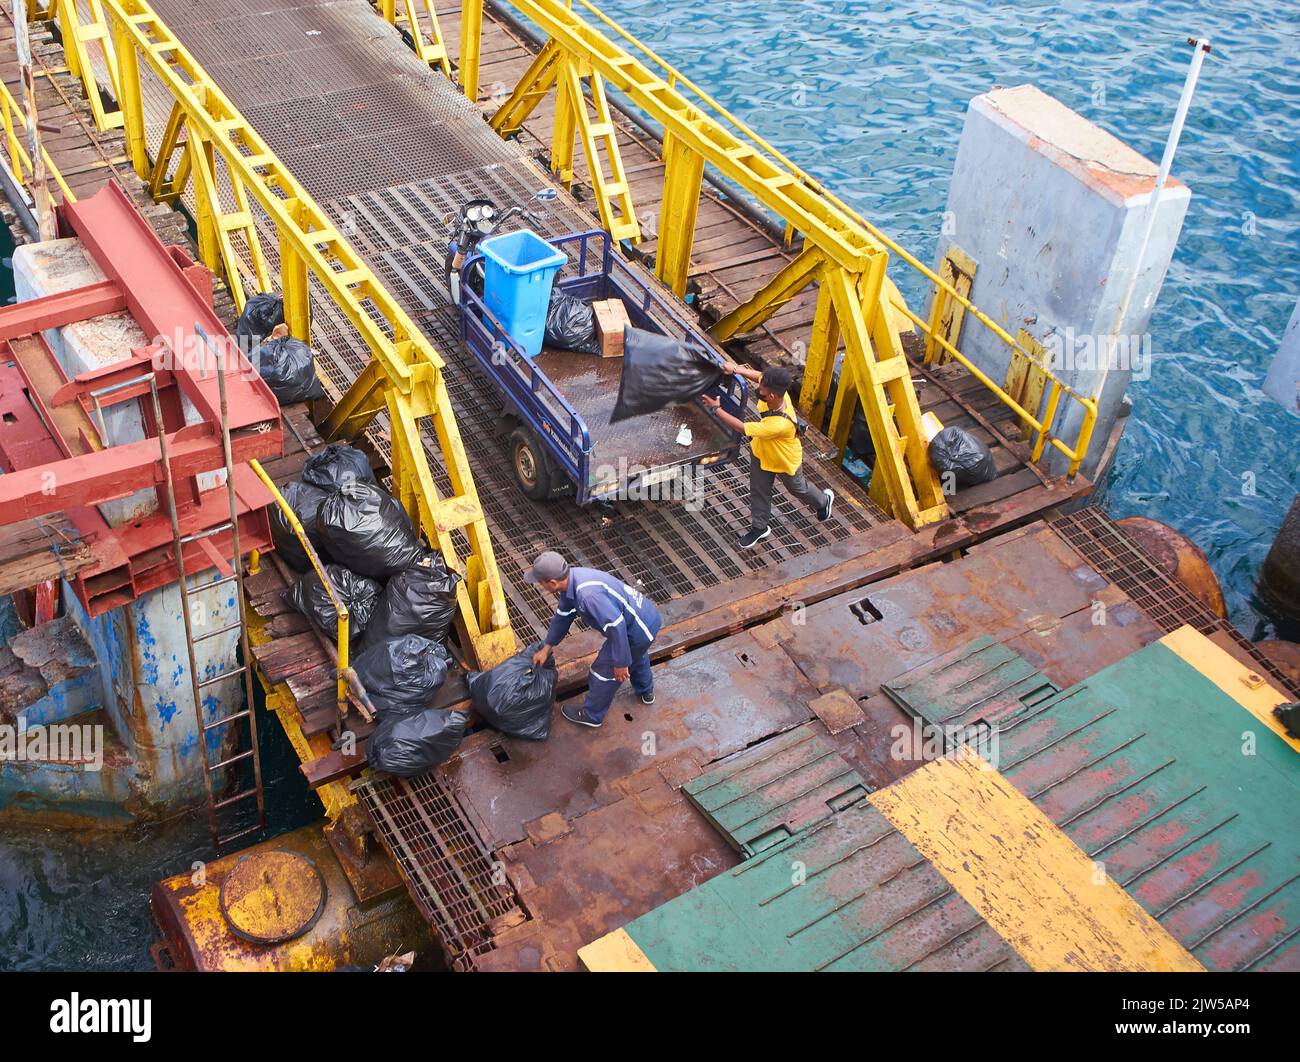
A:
(549, 565)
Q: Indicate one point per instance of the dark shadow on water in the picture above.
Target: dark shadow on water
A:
(79, 900)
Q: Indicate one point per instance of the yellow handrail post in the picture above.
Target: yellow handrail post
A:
(471, 43)
(819, 365)
(340, 609)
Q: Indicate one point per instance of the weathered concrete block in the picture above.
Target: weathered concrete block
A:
(1053, 210)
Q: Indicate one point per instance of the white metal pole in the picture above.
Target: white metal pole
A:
(1201, 48)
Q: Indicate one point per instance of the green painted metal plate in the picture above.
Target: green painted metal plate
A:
(765, 795)
(982, 682)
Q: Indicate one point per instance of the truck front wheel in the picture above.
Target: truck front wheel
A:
(531, 465)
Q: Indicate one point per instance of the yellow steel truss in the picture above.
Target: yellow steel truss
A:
(230, 167)
(413, 18)
(835, 240)
(78, 36)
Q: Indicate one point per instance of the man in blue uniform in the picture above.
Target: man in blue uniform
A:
(626, 617)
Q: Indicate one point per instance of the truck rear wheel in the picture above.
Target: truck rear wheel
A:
(531, 465)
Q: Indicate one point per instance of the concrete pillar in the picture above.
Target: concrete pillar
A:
(1279, 579)
(140, 648)
(1053, 210)
(1283, 381)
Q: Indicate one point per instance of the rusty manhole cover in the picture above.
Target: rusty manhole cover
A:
(271, 897)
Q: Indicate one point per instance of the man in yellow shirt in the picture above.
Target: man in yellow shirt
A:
(776, 450)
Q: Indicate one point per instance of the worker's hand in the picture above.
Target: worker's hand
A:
(710, 403)
(730, 367)
(540, 657)
(621, 673)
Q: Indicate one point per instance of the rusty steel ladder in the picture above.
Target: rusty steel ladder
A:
(250, 753)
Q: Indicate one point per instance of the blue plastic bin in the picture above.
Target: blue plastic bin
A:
(519, 269)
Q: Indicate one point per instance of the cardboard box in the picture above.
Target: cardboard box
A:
(611, 319)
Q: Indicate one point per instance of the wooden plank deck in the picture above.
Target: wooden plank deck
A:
(87, 158)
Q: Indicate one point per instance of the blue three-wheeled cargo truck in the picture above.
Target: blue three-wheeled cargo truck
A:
(557, 404)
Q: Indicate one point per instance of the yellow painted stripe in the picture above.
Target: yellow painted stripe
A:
(615, 952)
(1248, 688)
(1025, 877)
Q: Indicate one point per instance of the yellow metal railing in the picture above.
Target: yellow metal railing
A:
(340, 608)
(845, 233)
(20, 159)
(231, 171)
(943, 291)
(1055, 390)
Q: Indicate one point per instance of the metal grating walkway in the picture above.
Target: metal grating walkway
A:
(448, 870)
(390, 149)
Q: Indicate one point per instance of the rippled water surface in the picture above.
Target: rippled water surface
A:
(870, 97)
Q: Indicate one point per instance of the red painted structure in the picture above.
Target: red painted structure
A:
(50, 446)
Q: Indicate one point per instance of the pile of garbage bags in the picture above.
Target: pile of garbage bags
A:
(288, 365)
(400, 597)
(401, 602)
(957, 452)
(659, 371)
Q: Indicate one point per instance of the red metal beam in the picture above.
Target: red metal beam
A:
(169, 309)
(55, 311)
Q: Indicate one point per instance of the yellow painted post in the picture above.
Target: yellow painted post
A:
(130, 100)
(859, 354)
(358, 406)
(294, 289)
(160, 188)
(205, 224)
(568, 98)
(471, 43)
(819, 366)
(895, 373)
(537, 81)
(683, 174)
(612, 192)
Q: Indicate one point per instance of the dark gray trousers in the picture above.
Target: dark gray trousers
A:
(761, 484)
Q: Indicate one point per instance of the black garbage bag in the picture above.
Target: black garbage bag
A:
(289, 369)
(407, 745)
(570, 324)
(261, 314)
(359, 595)
(659, 371)
(402, 675)
(305, 500)
(336, 465)
(366, 529)
(957, 451)
(516, 697)
(420, 600)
